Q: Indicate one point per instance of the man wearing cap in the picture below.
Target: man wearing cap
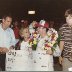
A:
(44, 58)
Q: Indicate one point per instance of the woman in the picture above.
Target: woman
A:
(43, 58)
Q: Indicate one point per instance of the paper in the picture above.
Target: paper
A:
(70, 69)
(18, 60)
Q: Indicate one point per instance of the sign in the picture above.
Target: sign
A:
(18, 60)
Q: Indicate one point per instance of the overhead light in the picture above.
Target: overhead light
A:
(31, 12)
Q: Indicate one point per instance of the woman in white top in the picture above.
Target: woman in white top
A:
(24, 45)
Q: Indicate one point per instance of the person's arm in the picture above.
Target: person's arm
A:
(61, 48)
(61, 45)
(13, 40)
(17, 46)
(49, 51)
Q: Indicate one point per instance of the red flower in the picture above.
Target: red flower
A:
(31, 40)
(46, 45)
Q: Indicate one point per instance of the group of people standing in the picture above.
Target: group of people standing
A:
(43, 59)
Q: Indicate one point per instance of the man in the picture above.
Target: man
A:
(66, 42)
(7, 39)
(16, 30)
(32, 27)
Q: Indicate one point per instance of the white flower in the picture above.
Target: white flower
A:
(42, 22)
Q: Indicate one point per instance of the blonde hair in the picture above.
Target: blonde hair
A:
(21, 31)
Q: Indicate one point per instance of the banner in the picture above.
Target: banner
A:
(18, 60)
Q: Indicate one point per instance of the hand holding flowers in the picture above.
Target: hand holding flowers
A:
(33, 41)
(52, 39)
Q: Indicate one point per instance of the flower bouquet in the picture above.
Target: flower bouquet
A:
(33, 41)
(53, 39)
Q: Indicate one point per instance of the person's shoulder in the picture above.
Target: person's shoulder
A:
(10, 29)
(63, 26)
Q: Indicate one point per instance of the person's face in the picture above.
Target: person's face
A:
(41, 30)
(26, 33)
(69, 20)
(7, 22)
(16, 23)
(33, 24)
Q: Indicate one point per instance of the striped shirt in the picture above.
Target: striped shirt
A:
(66, 36)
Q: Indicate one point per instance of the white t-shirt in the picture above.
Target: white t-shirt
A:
(26, 47)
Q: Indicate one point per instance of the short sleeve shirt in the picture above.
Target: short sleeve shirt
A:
(66, 36)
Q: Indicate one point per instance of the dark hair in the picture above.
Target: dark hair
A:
(47, 29)
(7, 15)
(68, 12)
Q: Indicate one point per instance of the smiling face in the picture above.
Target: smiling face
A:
(26, 33)
(68, 16)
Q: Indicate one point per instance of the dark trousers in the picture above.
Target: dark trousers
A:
(2, 61)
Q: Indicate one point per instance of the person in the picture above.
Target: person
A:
(26, 48)
(32, 27)
(66, 41)
(51, 24)
(16, 31)
(7, 39)
(43, 58)
(24, 23)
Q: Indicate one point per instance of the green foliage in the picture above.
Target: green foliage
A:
(57, 42)
(34, 46)
(58, 39)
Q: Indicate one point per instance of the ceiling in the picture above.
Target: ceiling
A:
(45, 9)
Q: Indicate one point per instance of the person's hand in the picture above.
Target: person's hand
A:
(3, 50)
(60, 60)
(34, 23)
(49, 51)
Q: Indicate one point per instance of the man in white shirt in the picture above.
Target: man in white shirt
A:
(7, 39)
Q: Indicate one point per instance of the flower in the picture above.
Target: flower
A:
(51, 42)
(33, 40)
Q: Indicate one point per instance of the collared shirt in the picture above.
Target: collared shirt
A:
(7, 37)
(66, 36)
